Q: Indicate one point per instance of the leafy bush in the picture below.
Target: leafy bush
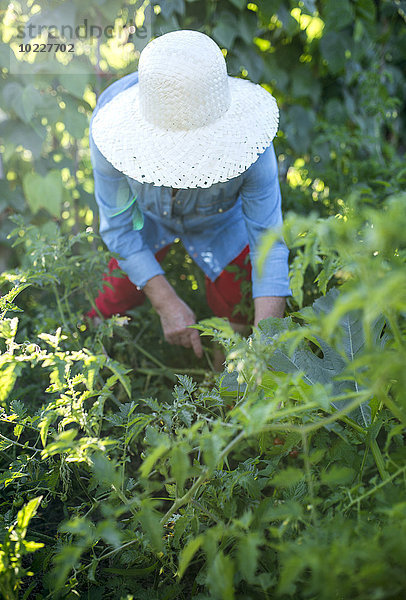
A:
(130, 471)
(275, 478)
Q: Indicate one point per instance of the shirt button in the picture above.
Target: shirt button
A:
(163, 241)
(156, 246)
(220, 210)
(191, 248)
(177, 201)
(165, 213)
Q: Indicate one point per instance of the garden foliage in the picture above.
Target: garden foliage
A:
(128, 470)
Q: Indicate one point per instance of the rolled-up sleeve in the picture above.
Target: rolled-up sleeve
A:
(261, 202)
(113, 194)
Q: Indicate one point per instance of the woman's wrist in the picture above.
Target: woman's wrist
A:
(160, 293)
(269, 306)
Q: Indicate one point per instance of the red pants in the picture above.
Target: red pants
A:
(223, 294)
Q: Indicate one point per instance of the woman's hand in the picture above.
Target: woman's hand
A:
(175, 314)
(175, 318)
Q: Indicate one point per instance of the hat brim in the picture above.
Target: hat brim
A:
(190, 158)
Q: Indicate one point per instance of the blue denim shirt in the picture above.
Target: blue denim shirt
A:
(214, 224)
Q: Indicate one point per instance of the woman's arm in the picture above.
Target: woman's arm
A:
(261, 199)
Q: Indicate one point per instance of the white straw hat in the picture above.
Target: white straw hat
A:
(186, 123)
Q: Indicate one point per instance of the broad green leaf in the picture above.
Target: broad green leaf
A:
(151, 524)
(32, 100)
(62, 443)
(287, 477)
(187, 553)
(132, 571)
(324, 370)
(211, 445)
(151, 459)
(4, 445)
(32, 546)
(24, 134)
(44, 425)
(240, 4)
(225, 33)
(75, 78)
(44, 192)
(338, 475)
(121, 373)
(8, 477)
(106, 470)
(26, 513)
(75, 121)
(8, 328)
(338, 15)
(220, 577)
(9, 371)
(13, 95)
(333, 48)
(180, 465)
(229, 386)
(248, 554)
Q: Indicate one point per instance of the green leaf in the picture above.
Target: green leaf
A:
(248, 554)
(229, 386)
(188, 553)
(151, 524)
(75, 78)
(247, 26)
(25, 515)
(8, 328)
(220, 577)
(121, 373)
(211, 445)
(151, 459)
(106, 470)
(288, 477)
(24, 134)
(324, 370)
(304, 84)
(75, 121)
(9, 371)
(32, 100)
(338, 475)
(240, 4)
(132, 571)
(338, 14)
(12, 94)
(4, 445)
(8, 477)
(180, 465)
(225, 33)
(44, 192)
(333, 47)
(33, 546)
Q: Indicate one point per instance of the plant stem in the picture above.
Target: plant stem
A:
(376, 488)
(309, 478)
(59, 305)
(395, 329)
(93, 303)
(203, 477)
(14, 442)
(378, 459)
(150, 356)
